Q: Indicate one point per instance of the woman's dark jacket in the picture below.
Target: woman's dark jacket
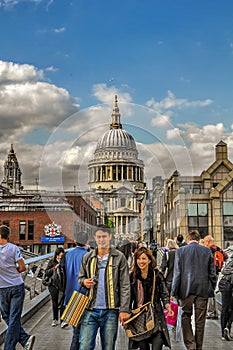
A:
(168, 263)
(227, 272)
(161, 298)
(58, 278)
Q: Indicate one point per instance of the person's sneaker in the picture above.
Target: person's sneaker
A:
(227, 334)
(30, 343)
(54, 323)
(64, 324)
(223, 338)
(212, 317)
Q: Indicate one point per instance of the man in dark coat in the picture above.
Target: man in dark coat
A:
(194, 281)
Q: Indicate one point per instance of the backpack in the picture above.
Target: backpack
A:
(218, 259)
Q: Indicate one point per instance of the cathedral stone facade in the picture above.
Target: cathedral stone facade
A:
(116, 176)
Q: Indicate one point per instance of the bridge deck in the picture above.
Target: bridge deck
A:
(37, 319)
(53, 338)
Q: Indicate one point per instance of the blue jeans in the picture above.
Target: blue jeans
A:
(75, 339)
(107, 321)
(11, 306)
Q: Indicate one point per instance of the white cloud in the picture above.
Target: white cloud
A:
(59, 30)
(34, 103)
(28, 103)
(174, 134)
(51, 69)
(8, 4)
(161, 120)
(13, 72)
(171, 101)
(106, 93)
(185, 80)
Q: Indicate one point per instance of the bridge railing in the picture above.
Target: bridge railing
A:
(36, 294)
(33, 275)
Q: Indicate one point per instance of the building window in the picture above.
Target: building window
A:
(227, 209)
(22, 230)
(76, 227)
(6, 223)
(123, 202)
(30, 230)
(198, 218)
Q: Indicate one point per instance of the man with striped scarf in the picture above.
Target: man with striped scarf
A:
(104, 272)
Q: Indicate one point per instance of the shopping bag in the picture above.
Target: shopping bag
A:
(171, 320)
(75, 308)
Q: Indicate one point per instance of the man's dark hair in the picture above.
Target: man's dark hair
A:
(104, 228)
(4, 231)
(81, 238)
(180, 238)
(194, 235)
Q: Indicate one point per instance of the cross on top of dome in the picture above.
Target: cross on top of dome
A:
(116, 117)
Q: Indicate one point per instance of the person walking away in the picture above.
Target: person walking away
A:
(105, 273)
(154, 248)
(219, 257)
(161, 251)
(12, 293)
(125, 248)
(167, 265)
(141, 280)
(73, 259)
(194, 281)
(56, 287)
(180, 241)
(226, 288)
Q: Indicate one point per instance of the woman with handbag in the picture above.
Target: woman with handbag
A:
(147, 284)
(56, 274)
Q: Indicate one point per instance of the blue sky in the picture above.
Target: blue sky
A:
(173, 57)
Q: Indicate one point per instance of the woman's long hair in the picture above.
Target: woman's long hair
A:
(135, 269)
(57, 252)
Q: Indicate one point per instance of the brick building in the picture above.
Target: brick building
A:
(40, 221)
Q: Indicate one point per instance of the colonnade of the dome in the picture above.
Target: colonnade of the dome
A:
(115, 172)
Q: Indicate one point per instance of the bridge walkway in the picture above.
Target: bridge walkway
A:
(53, 338)
(37, 317)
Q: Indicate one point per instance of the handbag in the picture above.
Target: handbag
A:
(141, 324)
(75, 308)
(47, 280)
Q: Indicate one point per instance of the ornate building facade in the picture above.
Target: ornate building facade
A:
(116, 175)
(204, 202)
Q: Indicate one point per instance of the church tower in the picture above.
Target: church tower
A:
(12, 172)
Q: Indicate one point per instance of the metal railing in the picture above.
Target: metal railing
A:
(33, 275)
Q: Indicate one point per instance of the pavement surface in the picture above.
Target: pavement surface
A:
(56, 338)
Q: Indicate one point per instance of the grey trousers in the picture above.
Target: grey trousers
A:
(193, 341)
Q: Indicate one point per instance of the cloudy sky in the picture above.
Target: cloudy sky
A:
(61, 63)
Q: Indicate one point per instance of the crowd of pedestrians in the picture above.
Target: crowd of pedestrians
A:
(118, 280)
